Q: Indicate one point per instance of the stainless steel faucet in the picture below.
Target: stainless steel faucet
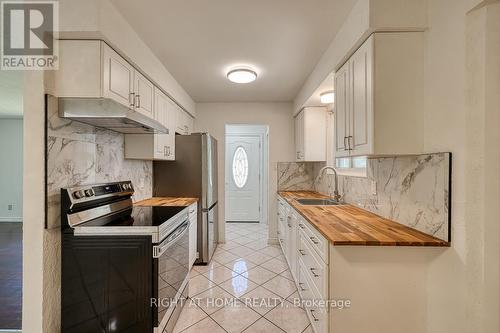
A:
(336, 195)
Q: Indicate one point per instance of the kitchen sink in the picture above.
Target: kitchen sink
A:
(318, 202)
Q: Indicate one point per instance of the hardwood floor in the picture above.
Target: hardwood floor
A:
(11, 263)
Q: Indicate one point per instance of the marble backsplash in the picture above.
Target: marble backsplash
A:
(411, 190)
(79, 154)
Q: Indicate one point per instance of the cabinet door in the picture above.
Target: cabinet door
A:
(192, 241)
(161, 141)
(299, 136)
(292, 242)
(118, 76)
(361, 63)
(342, 111)
(144, 95)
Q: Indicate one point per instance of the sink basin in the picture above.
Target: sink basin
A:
(318, 202)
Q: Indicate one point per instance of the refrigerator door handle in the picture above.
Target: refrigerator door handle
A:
(205, 210)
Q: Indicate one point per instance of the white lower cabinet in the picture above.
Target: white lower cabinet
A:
(193, 230)
(306, 252)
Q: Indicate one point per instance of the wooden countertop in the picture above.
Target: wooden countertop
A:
(350, 225)
(167, 201)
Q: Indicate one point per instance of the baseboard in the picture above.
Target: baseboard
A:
(11, 219)
(273, 241)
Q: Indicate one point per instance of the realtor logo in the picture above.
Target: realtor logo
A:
(28, 40)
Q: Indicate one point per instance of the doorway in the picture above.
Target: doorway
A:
(246, 173)
(11, 199)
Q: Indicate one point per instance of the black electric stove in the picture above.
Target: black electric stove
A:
(124, 266)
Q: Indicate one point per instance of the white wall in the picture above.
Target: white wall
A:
(212, 118)
(461, 117)
(11, 169)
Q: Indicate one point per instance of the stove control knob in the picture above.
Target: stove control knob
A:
(79, 194)
(89, 193)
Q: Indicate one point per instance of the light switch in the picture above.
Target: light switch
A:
(373, 187)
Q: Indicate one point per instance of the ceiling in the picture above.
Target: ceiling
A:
(199, 40)
(11, 94)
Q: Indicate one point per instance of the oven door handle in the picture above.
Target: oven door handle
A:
(158, 250)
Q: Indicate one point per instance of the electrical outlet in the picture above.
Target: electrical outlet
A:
(373, 189)
(9, 207)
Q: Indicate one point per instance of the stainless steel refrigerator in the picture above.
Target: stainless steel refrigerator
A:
(193, 174)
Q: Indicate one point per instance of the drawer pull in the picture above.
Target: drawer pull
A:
(301, 226)
(302, 252)
(301, 286)
(313, 271)
(191, 211)
(289, 225)
(313, 316)
(314, 240)
(281, 219)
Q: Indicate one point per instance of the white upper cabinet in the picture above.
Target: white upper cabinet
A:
(143, 95)
(310, 134)
(184, 121)
(117, 78)
(341, 109)
(93, 69)
(379, 93)
(154, 146)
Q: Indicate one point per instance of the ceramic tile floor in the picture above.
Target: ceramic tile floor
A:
(247, 287)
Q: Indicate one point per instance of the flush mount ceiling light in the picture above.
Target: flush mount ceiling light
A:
(327, 97)
(241, 75)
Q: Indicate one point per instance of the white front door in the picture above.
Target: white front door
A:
(243, 174)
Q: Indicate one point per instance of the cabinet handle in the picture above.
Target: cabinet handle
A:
(349, 142)
(131, 99)
(298, 155)
(302, 252)
(165, 153)
(312, 315)
(138, 99)
(301, 226)
(289, 225)
(346, 144)
(314, 240)
(301, 287)
(313, 271)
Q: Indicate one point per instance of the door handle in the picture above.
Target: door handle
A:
(349, 142)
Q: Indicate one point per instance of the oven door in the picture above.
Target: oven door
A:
(171, 268)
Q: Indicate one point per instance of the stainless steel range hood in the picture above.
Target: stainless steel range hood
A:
(106, 113)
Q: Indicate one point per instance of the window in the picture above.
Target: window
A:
(240, 167)
(352, 166)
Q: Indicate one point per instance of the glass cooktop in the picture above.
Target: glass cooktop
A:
(140, 216)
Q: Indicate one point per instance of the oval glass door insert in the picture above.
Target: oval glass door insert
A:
(240, 167)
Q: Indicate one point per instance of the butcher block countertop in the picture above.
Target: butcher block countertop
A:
(350, 225)
(167, 201)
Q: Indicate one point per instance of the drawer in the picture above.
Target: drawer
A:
(313, 265)
(318, 316)
(315, 238)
